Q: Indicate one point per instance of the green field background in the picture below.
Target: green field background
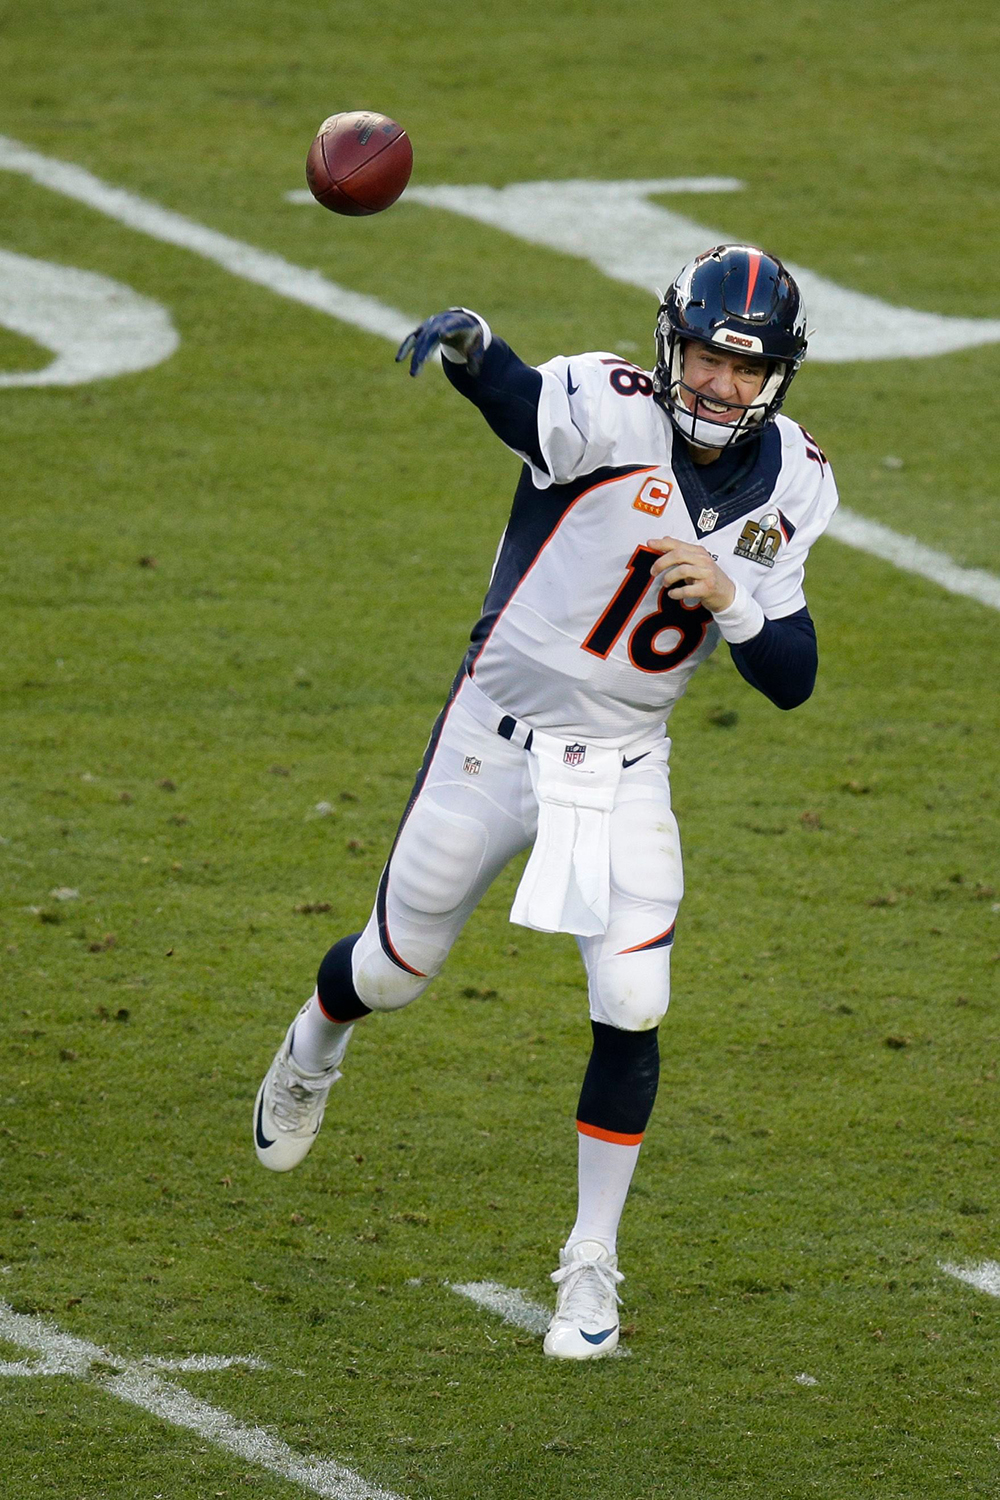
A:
(237, 586)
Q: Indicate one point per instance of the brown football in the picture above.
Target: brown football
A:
(359, 163)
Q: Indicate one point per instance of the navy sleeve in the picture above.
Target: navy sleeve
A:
(506, 390)
(781, 661)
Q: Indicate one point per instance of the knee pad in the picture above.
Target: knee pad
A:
(630, 991)
(379, 982)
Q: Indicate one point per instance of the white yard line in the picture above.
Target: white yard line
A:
(911, 556)
(259, 266)
(313, 290)
(985, 1276)
(59, 1353)
(175, 1405)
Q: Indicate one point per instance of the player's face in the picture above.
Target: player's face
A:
(717, 384)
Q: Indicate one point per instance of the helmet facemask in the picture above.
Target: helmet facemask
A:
(733, 299)
(668, 384)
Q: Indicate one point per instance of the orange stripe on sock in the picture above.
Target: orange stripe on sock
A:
(331, 1017)
(613, 1136)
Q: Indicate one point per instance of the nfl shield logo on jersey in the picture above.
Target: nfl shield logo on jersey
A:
(708, 520)
(573, 754)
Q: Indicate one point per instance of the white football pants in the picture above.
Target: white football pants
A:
(472, 810)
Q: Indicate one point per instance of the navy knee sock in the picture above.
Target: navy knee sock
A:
(335, 984)
(619, 1087)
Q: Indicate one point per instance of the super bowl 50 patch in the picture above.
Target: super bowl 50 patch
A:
(759, 541)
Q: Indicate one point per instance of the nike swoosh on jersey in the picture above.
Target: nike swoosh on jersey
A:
(262, 1139)
(597, 1338)
(571, 389)
(635, 759)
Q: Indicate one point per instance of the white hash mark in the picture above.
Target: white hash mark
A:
(513, 1306)
(201, 1362)
(985, 1276)
(507, 1302)
(135, 1382)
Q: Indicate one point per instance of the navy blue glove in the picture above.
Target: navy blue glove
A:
(459, 329)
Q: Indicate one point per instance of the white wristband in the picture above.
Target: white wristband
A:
(455, 357)
(741, 620)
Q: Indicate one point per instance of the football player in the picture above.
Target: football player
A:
(656, 514)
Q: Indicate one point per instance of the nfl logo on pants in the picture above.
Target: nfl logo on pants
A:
(573, 754)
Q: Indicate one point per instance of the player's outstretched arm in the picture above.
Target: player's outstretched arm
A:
(487, 372)
(457, 329)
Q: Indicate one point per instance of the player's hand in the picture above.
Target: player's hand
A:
(460, 330)
(689, 572)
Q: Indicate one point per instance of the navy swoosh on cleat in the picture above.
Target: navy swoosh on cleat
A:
(597, 1338)
(571, 389)
(626, 763)
(262, 1139)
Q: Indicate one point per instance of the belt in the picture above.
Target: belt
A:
(483, 709)
(494, 718)
(511, 729)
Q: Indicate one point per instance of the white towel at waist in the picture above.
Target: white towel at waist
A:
(566, 885)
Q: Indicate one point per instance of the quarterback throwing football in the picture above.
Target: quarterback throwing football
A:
(655, 515)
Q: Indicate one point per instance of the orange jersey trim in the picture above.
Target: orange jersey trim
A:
(613, 1136)
(417, 973)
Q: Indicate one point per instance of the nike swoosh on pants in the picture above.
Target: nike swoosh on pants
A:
(635, 759)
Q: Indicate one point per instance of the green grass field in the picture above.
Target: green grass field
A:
(236, 586)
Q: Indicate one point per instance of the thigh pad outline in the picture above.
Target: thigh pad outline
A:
(646, 861)
(438, 859)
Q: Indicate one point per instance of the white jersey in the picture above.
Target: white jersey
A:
(576, 638)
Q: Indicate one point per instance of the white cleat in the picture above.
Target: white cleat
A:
(585, 1322)
(290, 1105)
